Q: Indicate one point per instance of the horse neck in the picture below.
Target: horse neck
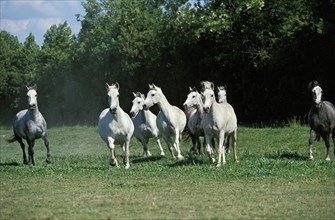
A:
(200, 106)
(34, 114)
(118, 114)
(164, 105)
(214, 108)
(142, 114)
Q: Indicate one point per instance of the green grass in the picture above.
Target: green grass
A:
(274, 180)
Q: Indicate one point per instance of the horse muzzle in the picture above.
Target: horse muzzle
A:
(206, 109)
(32, 106)
(145, 107)
(133, 114)
(112, 110)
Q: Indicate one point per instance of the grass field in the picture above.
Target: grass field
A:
(274, 180)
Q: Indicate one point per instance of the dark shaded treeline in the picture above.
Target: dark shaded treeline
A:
(266, 52)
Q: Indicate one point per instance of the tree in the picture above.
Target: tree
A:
(54, 73)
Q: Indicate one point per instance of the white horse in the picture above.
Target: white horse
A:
(30, 124)
(115, 126)
(222, 94)
(170, 120)
(219, 122)
(145, 124)
(194, 111)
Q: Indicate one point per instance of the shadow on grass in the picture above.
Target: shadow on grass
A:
(190, 160)
(146, 159)
(9, 164)
(286, 155)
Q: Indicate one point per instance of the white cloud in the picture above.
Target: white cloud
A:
(14, 26)
(21, 17)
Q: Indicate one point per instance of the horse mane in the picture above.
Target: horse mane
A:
(139, 95)
(224, 87)
(206, 85)
(193, 89)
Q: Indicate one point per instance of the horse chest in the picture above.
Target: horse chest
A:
(32, 130)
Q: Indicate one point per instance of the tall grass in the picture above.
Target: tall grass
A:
(274, 180)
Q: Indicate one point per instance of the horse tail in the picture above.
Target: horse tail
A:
(12, 139)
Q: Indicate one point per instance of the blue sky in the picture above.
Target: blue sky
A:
(21, 17)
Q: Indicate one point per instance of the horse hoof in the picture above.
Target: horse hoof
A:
(162, 154)
(48, 161)
(218, 165)
(179, 158)
(327, 158)
(114, 163)
(236, 161)
(127, 166)
(311, 158)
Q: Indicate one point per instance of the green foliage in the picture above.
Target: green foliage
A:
(17, 69)
(265, 51)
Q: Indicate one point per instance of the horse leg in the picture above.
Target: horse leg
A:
(194, 142)
(177, 147)
(209, 148)
(169, 144)
(111, 146)
(222, 150)
(46, 143)
(333, 137)
(326, 140)
(31, 152)
(126, 154)
(310, 142)
(19, 139)
(144, 143)
(227, 144)
(160, 146)
(234, 138)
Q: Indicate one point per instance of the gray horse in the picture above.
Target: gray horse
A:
(321, 119)
(29, 124)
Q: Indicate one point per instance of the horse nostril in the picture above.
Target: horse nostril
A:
(144, 106)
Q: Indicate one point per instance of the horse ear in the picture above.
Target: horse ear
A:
(212, 86)
(134, 94)
(27, 87)
(142, 96)
(117, 85)
(107, 87)
(312, 84)
(34, 87)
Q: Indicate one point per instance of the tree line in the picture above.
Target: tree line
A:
(264, 51)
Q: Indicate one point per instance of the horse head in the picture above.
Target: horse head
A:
(208, 98)
(206, 85)
(138, 103)
(32, 97)
(153, 96)
(316, 90)
(193, 98)
(222, 94)
(113, 96)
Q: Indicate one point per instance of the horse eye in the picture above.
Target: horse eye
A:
(152, 95)
(138, 102)
(193, 96)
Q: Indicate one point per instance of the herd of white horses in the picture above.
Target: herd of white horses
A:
(206, 114)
